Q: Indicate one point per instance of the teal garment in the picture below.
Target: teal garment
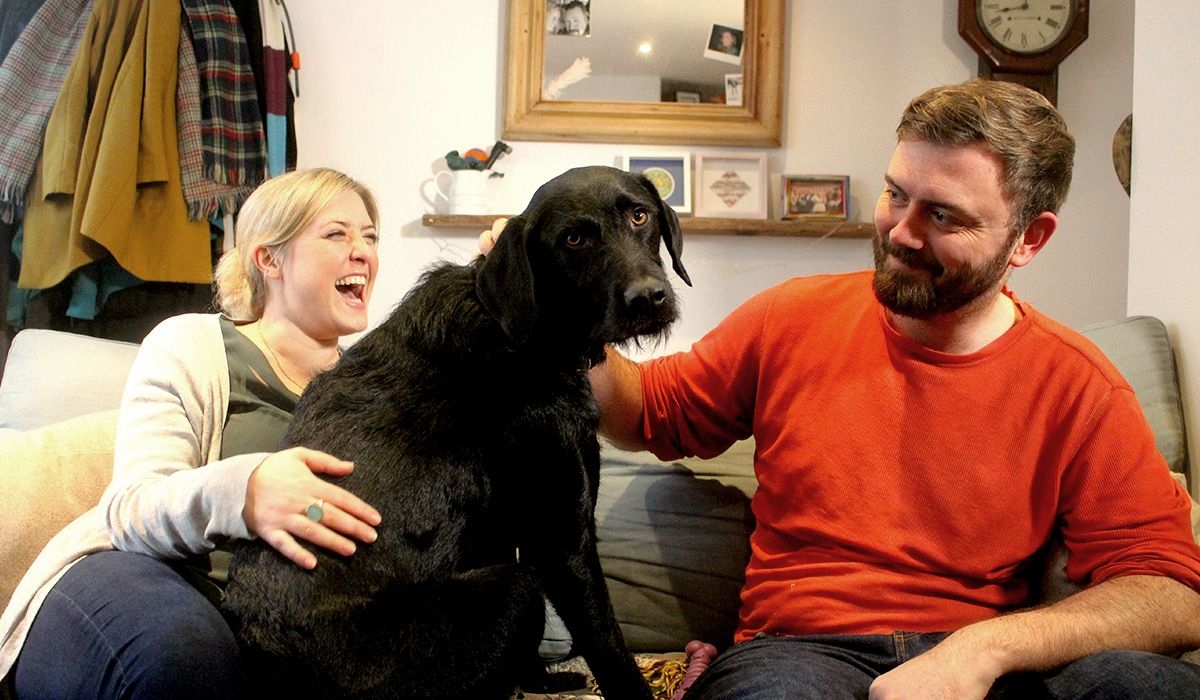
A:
(91, 286)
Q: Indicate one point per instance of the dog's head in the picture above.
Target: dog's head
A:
(582, 262)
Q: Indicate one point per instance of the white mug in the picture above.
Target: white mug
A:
(468, 191)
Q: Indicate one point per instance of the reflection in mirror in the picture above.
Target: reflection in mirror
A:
(688, 116)
(638, 51)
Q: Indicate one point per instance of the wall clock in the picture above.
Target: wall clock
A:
(1023, 41)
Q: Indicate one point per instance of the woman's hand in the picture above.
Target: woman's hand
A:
(487, 239)
(282, 488)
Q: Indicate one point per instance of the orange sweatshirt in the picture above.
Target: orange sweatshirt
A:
(906, 489)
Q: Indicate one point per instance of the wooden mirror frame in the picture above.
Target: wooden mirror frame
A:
(758, 122)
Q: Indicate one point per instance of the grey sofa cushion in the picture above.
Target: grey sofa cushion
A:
(1141, 349)
(674, 542)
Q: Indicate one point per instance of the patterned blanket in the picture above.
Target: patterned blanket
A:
(663, 672)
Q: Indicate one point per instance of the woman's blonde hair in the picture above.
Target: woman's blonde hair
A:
(272, 216)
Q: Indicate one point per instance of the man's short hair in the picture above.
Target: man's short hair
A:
(1018, 124)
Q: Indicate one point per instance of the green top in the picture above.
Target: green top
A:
(260, 406)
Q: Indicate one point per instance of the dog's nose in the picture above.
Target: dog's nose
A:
(647, 291)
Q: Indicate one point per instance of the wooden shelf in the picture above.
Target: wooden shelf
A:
(807, 228)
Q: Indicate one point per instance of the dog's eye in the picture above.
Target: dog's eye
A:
(639, 217)
(574, 240)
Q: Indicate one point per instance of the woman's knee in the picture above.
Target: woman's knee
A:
(124, 625)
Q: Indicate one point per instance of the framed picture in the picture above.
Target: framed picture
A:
(671, 174)
(815, 196)
(731, 186)
(724, 44)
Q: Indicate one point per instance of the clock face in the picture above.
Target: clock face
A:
(1025, 26)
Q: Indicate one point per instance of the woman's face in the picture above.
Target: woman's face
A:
(328, 271)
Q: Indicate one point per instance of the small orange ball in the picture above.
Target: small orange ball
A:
(477, 154)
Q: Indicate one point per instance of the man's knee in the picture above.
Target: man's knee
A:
(782, 668)
(1126, 674)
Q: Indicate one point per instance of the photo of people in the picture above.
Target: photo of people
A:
(569, 17)
(814, 197)
(724, 44)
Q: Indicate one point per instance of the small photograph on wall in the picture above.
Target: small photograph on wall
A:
(733, 89)
(671, 175)
(569, 17)
(815, 196)
(724, 44)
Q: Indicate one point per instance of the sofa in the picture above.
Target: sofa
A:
(673, 536)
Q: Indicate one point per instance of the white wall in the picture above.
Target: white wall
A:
(1164, 241)
(389, 87)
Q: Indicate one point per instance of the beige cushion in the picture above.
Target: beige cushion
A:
(50, 475)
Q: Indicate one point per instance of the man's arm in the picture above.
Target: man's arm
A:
(617, 384)
(1147, 613)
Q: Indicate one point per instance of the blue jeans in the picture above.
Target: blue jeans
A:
(832, 667)
(123, 625)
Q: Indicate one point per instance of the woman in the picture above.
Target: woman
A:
(137, 615)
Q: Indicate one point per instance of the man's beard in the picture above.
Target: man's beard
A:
(931, 289)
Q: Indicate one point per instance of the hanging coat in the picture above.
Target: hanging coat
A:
(109, 181)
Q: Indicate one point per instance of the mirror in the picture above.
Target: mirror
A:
(587, 110)
(665, 51)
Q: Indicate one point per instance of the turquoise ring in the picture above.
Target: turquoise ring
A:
(316, 511)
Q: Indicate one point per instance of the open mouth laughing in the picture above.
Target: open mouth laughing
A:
(352, 287)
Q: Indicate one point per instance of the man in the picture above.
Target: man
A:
(575, 18)
(920, 434)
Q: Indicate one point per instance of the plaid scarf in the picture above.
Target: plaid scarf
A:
(232, 126)
(30, 80)
(204, 197)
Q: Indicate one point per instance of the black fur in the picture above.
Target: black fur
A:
(472, 426)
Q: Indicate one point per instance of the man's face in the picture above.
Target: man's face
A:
(575, 20)
(942, 238)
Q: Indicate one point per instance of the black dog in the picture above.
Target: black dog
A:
(472, 426)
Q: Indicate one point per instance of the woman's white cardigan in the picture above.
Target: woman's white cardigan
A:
(159, 502)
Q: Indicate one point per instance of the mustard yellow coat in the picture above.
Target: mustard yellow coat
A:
(109, 177)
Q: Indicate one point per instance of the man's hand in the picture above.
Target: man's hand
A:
(285, 485)
(949, 671)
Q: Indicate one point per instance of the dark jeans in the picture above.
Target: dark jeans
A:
(831, 667)
(122, 625)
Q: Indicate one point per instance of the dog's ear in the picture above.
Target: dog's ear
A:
(504, 282)
(673, 237)
(669, 230)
